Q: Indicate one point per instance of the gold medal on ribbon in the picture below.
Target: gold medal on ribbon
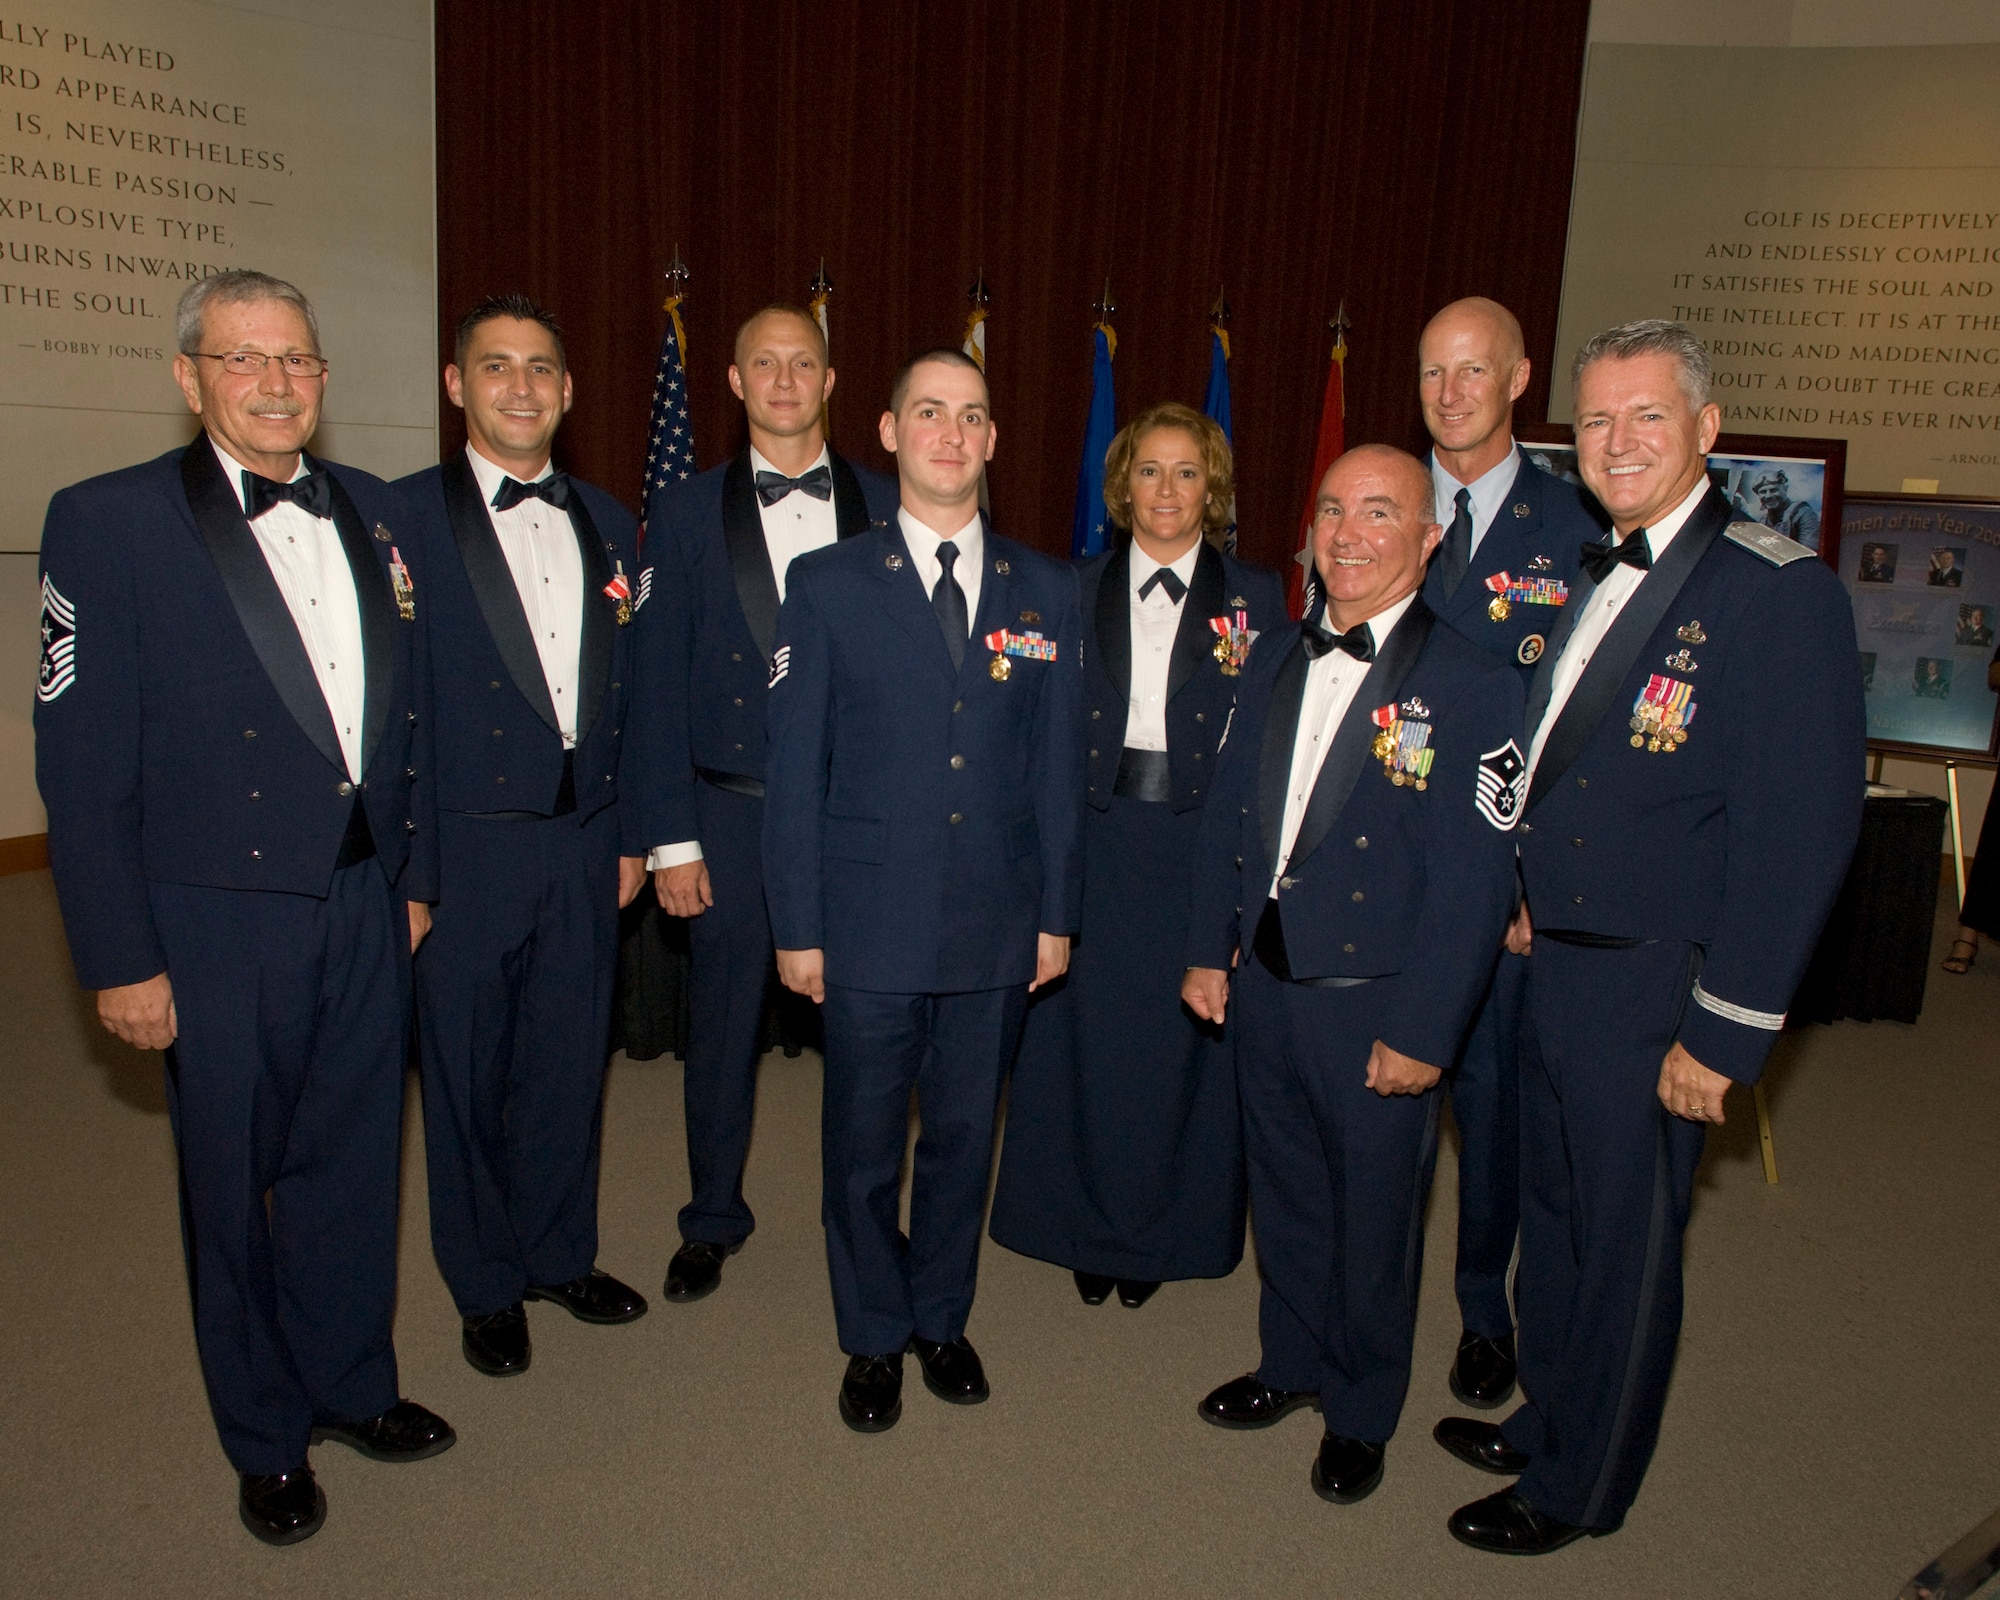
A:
(999, 669)
(1498, 609)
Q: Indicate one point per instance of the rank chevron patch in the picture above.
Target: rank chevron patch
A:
(645, 590)
(781, 663)
(58, 666)
(1502, 786)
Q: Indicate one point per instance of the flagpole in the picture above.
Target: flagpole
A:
(1327, 449)
(821, 290)
(1216, 404)
(974, 346)
(670, 427)
(1090, 521)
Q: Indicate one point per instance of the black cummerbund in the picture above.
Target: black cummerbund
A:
(1144, 775)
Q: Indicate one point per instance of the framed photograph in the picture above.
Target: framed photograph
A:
(1792, 485)
(1924, 573)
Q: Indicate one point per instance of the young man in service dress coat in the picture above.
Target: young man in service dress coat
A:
(232, 740)
(1357, 855)
(721, 547)
(920, 856)
(529, 573)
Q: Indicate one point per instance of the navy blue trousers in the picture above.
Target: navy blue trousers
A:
(1607, 1180)
(1338, 1180)
(1485, 1089)
(285, 1088)
(729, 979)
(514, 1007)
(953, 1049)
(1124, 1146)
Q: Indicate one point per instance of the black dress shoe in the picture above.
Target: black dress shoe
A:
(1346, 1470)
(1135, 1292)
(595, 1297)
(952, 1371)
(1094, 1287)
(405, 1432)
(1482, 1376)
(284, 1507)
(696, 1269)
(1481, 1445)
(497, 1344)
(871, 1395)
(1246, 1403)
(1507, 1525)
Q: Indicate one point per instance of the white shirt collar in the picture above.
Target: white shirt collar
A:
(233, 470)
(1382, 624)
(1661, 534)
(760, 463)
(1182, 566)
(491, 475)
(919, 535)
(1489, 489)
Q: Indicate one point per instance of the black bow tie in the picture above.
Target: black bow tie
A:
(774, 486)
(1319, 639)
(1599, 556)
(1164, 578)
(312, 494)
(512, 491)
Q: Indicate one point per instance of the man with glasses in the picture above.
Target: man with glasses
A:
(232, 745)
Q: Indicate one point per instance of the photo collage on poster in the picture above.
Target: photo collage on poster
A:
(1924, 575)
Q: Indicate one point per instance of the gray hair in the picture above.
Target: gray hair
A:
(238, 286)
(1652, 336)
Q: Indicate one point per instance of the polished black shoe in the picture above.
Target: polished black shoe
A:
(1482, 1375)
(1346, 1470)
(1480, 1444)
(405, 1432)
(1135, 1292)
(497, 1344)
(1094, 1287)
(284, 1507)
(1246, 1403)
(596, 1297)
(696, 1269)
(952, 1371)
(871, 1395)
(1507, 1525)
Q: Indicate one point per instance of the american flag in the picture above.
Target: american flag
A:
(670, 434)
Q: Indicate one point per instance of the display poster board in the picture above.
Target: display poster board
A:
(1827, 220)
(145, 143)
(1924, 574)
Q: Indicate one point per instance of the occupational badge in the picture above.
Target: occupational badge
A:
(1540, 564)
(893, 562)
(1529, 650)
(1521, 509)
(1681, 661)
(399, 579)
(1002, 568)
(1403, 747)
(1234, 636)
(1238, 603)
(1510, 591)
(1661, 714)
(1031, 616)
(382, 534)
(1501, 787)
(58, 665)
(621, 591)
(1691, 633)
(1005, 643)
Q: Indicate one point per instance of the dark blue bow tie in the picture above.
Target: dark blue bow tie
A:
(774, 486)
(313, 493)
(512, 491)
(1320, 639)
(1600, 556)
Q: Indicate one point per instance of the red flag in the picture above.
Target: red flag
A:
(1332, 442)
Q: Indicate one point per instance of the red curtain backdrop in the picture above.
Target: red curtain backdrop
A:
(1391, 154)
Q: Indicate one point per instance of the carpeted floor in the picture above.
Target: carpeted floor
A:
(1833, 1423)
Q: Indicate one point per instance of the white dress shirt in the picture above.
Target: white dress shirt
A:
(1599, 612)
(1489, 493)
(306, 557)
(797, 523)
(924, 542)
(1156, 621)
(1331, 684)
(539, 542)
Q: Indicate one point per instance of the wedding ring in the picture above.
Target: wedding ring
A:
(1696, 1107)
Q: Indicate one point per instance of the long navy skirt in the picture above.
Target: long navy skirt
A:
(1124, 1151)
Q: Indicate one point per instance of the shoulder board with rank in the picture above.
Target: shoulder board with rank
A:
(1768, 543)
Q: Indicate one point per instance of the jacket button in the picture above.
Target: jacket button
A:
(409, 826)
(737, 701)
(1347, 949)
(1361, 843)
(957, 817)
(1093, 755)
(1201, 716)
(1576, 899)
(343, 787)
(249, 733)
(496, 733)
(256, 855)
(1358, 897)
(410, 717)
(499, 780)
(1197, 755)
(494, 684)
(1095, 715)
(734, 656)
(1239, 861)
(1577, 842)
(256, 794)
(957, 763)
(1583, 783)
(1286, 883)
(409, 772)
(1195, 791)
(957, 706)
(739, 747)
(1527, 827)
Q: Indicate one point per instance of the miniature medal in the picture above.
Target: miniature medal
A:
(621, 591)
(399, 580)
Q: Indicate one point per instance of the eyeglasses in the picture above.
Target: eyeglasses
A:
(251, 363)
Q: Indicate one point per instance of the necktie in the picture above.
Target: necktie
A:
(1455, 554)
(774, 486)
(1599, 556)
(1164, 578)
(948, 601)
(313, 493)
(1319, 639)
(512, 491)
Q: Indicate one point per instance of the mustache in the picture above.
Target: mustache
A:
(277, 406)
